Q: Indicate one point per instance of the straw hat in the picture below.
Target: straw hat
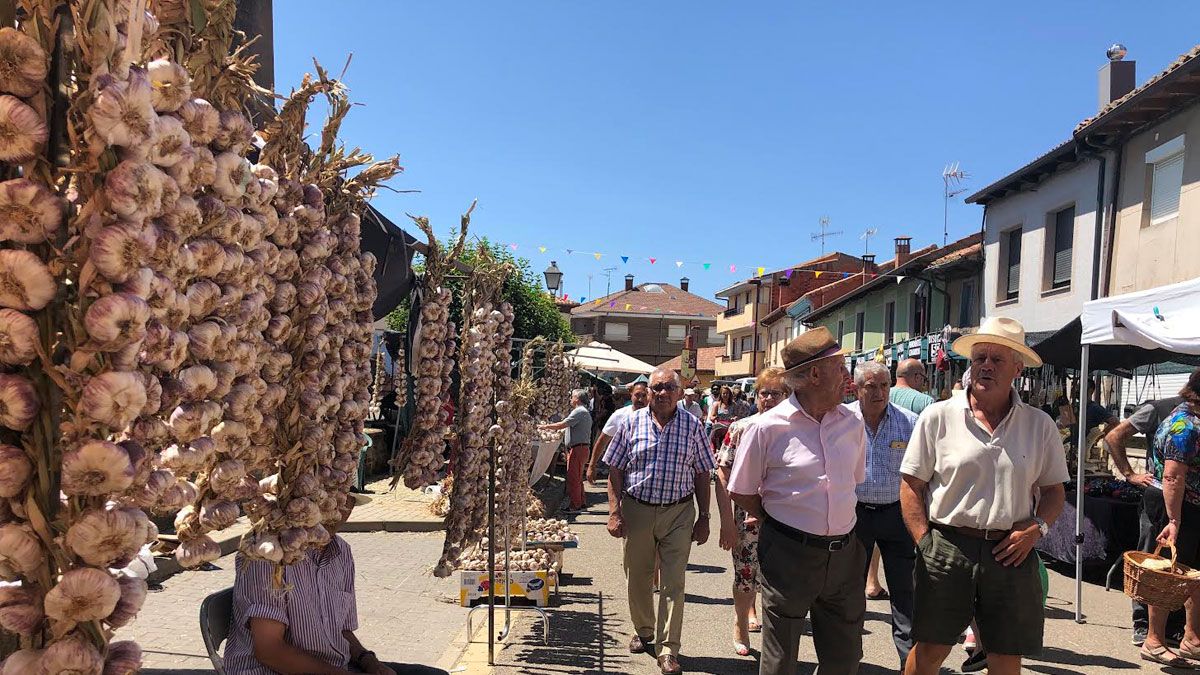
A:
(999, 330)
(811, 345)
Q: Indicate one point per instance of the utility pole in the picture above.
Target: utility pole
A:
(823, 234)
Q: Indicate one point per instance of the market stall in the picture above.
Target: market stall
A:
(1152, 326)
(601, 358)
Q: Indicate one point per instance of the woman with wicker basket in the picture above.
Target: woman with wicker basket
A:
(1172, 503)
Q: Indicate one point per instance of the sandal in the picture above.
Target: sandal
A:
(754, 627)
(881, 594)
(741, 648)
(1188, 650)
(1164, 656)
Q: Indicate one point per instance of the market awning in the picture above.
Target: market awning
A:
(1062, 349)
(603, 358)
(393, 249)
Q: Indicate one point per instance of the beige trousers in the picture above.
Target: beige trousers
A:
(667, 531)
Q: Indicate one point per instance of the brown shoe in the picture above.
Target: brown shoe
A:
(638, 644)
(669, 665)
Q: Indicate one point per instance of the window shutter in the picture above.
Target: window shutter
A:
(1164, 191)
(1064, 235)
(1014, 264)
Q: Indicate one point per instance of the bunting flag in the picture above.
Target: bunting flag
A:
(570, 251)
(679, 263)
(845, 275)
(899, 278)
(788, 274)
(513, 246)
(707, 265)
(760, 271)
(733, 269)
(816, 275)
(613, 304)
(541, 249)
(627, 306)
(625, 259)
(598, 302)
(653, 260)
(597, 255)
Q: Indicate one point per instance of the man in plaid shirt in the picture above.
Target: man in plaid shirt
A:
(659, 461)
(880, 522)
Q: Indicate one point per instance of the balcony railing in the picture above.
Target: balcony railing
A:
(733, 311)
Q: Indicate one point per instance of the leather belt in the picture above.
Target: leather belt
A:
(878, 507)
(643, 502)
(974, 533)
(830, 544)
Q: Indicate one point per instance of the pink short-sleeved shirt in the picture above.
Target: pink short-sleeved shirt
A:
(805, 471)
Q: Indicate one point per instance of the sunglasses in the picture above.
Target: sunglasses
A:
(664, 386)
(771, 393)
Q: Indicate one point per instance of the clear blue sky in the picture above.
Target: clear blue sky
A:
(711, 131)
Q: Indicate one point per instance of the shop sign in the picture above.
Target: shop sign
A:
(935, 348)
(687, 367)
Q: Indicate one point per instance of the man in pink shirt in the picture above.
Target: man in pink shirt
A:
(796, 469)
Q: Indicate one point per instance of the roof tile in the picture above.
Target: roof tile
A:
(673, 300)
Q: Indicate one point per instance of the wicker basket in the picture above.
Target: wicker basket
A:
(1166, 589)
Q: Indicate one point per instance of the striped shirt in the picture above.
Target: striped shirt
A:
(660, 462)
(316, 603)
(885, 451)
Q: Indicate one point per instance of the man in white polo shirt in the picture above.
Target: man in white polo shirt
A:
(639, 397)
(983, 481)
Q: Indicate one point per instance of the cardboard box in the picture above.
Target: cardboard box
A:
(533, 587)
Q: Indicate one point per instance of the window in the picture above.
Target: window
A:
(966, 303)
(747, 344)
(676, 332)
(841, 330)
(1166, 179)
(1012, 268)
(918, 315)
(889, 323)
(1060, 258)
(616, 332)
(859, 320)
(715, 338)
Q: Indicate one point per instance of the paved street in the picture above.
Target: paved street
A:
(404, 613)
(591, 629)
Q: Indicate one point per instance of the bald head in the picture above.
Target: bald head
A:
(910, 374)
(666, 389)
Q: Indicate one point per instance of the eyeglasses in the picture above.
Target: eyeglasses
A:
(664, 386)
(771, 393)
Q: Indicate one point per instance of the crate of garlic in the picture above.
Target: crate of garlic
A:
(552, 532)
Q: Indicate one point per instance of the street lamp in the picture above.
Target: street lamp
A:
(553, 278)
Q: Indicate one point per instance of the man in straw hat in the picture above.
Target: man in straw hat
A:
(795, 470)
(983, 480)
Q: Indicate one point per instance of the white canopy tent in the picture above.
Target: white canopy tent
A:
(600, 357)
(1164, 318)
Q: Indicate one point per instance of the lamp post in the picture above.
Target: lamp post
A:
(553, 278)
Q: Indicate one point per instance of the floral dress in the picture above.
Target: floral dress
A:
(1178, 439)
(745, 552)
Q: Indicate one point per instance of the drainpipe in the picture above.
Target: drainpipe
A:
(1111, 228)
(978, 318)
(754, 342)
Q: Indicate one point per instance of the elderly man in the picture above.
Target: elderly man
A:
(983, 481)
(690, 404)
(795, 470)
(888, 428)
(911, 382)
(578, 424)
(305, 624)
(659, 462)
(639, 397)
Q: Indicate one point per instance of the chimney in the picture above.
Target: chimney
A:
(683, 284)
(903, 250)
(1117, 76)
(629, 282)
(868, 261)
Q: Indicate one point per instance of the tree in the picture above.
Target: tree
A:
(534, 310)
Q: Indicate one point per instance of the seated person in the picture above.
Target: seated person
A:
(306, 625)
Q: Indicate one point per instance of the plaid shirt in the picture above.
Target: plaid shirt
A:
(885, 450)
(660, 462)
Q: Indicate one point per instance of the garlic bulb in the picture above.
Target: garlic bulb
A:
(18, 402)
(22, 131)
(170, 144)
(124, 658)
(18, 338)
(113, 398)
(135, 189)
(15, 470)
(23, 63)
(118, 251)
(133, 596)
(29, 212)
(171, 85)
(22, 662)
(195, 552)
(20, 609)
(232, 175)
(83, 594)
(106, 538)
(218, 515)
(234, 132)
(200, 119)
(20, 551)
(122, 113)
(72, 655)
(117, 320)
(25, 281)
(96, 468)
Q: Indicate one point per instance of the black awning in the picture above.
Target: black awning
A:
(1062, 348)
(393, 248)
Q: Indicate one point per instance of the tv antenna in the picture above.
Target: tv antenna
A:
(608, 275)
(866, 237)
(952, 178)
(824, 233)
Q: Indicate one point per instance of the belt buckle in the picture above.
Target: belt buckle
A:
(987, 535)
(837, 545)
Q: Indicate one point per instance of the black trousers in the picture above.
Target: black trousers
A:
(883, 526)
(1151, 520)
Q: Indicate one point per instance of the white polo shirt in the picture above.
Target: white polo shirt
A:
(981, 479)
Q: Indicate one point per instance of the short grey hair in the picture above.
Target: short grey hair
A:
(869, 368)
(580, 395)
(674, 374)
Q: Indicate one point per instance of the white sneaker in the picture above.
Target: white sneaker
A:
(969, 640)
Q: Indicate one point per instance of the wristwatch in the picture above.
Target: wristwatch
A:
(1042, 526)
(704, 514)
